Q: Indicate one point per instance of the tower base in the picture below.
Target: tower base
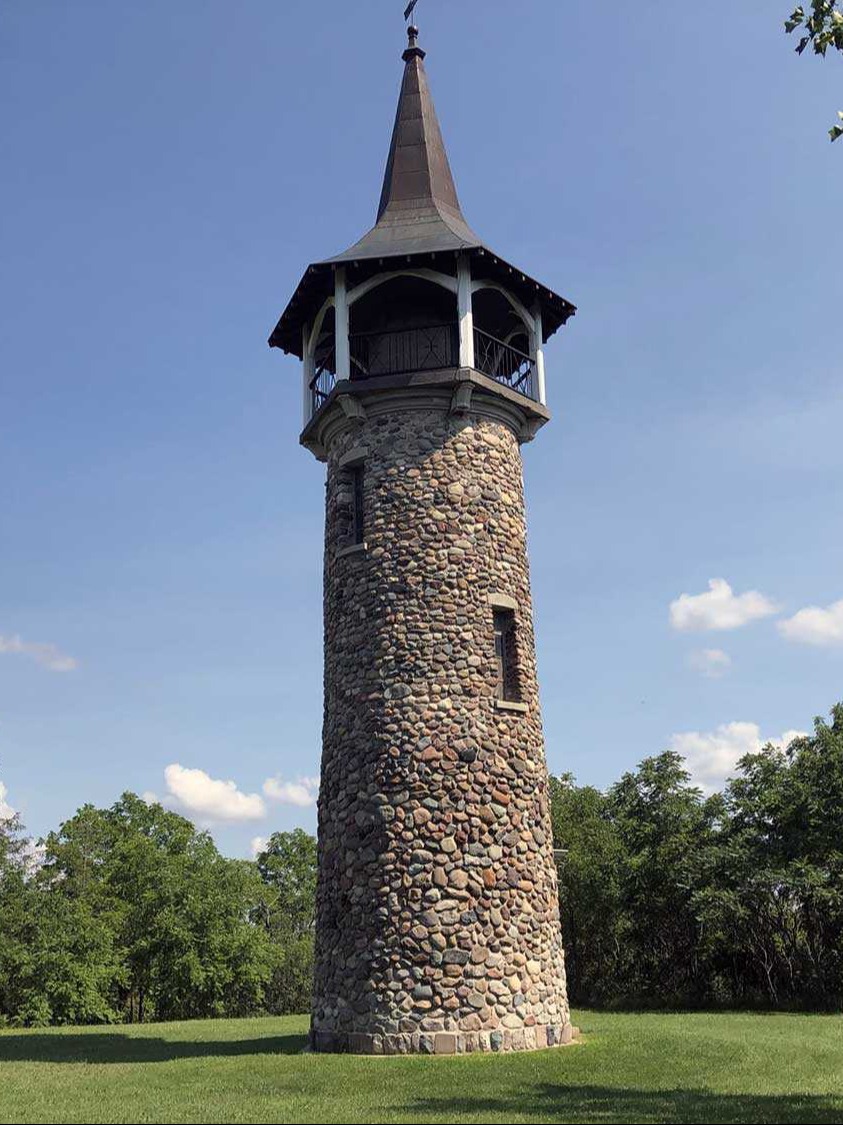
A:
(441, 1042)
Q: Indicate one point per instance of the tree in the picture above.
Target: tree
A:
(821, 28)
(57, 961)
(592, 866)
(634, 858)
(13, 908)
(667, 830)
(287, 867)
(785, 866)
(178, 911)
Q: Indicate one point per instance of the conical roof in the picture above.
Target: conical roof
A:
(419, 219)
(419, 210)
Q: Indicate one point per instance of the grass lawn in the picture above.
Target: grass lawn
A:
(629, 1068)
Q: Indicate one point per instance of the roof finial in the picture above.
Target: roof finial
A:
(413, 51)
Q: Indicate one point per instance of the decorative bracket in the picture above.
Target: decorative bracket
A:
(352, 407)
(530, 428)
(461, 398)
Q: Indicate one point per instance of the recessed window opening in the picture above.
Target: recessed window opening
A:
(506, 662)
(358, 522)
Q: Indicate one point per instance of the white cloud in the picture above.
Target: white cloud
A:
(150, 798)
(46, 654)
(33, 857)
(210, 798)
(787, 737)
(719, 608)
(815, 625)
(710, 662)
(258, 844)
(713, 757)
(6, 810)
(301, 793)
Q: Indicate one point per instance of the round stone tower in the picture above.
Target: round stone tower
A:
(437, 911)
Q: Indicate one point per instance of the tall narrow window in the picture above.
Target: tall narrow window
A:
(505, 655)
(358, 527)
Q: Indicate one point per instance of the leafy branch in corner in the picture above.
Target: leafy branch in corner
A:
(822, 28)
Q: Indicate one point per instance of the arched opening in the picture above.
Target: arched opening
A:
(405, 324)
(503, 345)
(494, 314)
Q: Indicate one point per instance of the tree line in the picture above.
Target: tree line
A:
(669, 898)
(131, 913)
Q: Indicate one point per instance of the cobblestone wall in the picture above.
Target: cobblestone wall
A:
(437, 917)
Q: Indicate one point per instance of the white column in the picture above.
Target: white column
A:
(464, 312)
(538, 336)
(307, 371)
(341, 346)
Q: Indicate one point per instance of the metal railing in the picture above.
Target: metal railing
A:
(435, 346)
(504, 363)
(411, 349)
(324, 378)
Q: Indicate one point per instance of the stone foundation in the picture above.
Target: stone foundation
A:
(442, 1042)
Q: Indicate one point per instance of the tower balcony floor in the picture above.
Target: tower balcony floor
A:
(454, 387)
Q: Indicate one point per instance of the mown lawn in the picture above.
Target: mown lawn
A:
(628, 1068)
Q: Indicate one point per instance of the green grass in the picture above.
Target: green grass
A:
(628, 1068)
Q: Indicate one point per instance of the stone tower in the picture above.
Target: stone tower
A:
(437, 913)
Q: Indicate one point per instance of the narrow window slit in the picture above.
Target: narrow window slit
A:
(358, 523)
(506, 656)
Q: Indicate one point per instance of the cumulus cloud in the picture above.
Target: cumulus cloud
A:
(710, 662)
(712, 757)
(301, 793)
(6, 810)
(719, 608)
(815, 625)
(258, 844)
(210, 798)
(44, 653)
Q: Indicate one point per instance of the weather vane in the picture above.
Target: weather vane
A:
(408, 11)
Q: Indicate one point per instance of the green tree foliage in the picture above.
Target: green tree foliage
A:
(591, 894)
(669, 898)
(821, 28)
(287, 867)
(13, 914)
(133, 914)
(773, 908)
(56, 957)
(177, 909)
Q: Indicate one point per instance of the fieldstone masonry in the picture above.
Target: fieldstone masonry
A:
(437, 912)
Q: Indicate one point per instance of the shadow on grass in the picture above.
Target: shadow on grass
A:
(116, 1048)
(549, 1102)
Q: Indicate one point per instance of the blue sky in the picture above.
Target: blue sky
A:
(171, 168)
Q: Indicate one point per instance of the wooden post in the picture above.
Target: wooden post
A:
(464, 311)
(341, 344)
(307, 372)
(541, 388)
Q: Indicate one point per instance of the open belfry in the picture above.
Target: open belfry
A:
(437, 911)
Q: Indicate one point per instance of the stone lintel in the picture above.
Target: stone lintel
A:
(354, 457)
(503, 601)
(511, 705)
(351, 550)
